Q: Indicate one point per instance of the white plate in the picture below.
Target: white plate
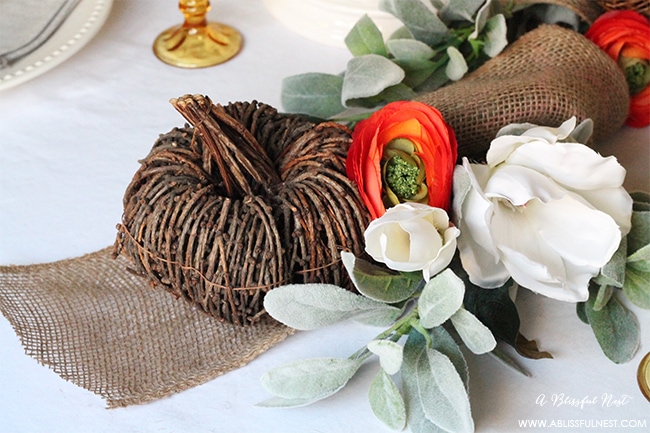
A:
(75, 32)
(329, 21)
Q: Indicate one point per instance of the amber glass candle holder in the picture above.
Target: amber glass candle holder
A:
(197, 43)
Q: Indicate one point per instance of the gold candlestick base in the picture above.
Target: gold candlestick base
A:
(197, 43)
(643, 376)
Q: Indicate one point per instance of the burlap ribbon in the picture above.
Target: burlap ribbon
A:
(545, 77)
(105, 330)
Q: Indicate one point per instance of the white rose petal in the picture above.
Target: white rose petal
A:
(529, 273)
(515, 231)
(478, 254)
(571, 164)
(502, 147)
(615, 202)
(594, 235)
(552, 135)
(445, 254)
(519, 185)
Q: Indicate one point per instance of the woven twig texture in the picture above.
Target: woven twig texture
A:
(641, 6)
(246, 200)
(106, 330)
(544, 78)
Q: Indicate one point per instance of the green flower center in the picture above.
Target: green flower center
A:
(637, 73)
(403, 174)
(401, 177)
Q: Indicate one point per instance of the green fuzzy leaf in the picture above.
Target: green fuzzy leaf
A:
(461, 10)
(637, 271)
(314, 94)
(583, 132)
(493, 307)
(457, 66)
(365, 38)
(615, 327)
(401, 33)
(444, 399)
(417, 420)
(421, 21)
(485, 12)
(613, 273)
(441, 297)
(310, 379)
(496, 35)
(390, 354)
(398, 92)
(385, 316)
(280, 402)
(602, 298)
(641, 201)
(417, 70)
(582, 314)
(476, 336)
(640, 256)
(439, 4)
(386, 402)
(379, 283)
(515, 129)
(508, 361)
(637, 284)
(443, 342)
(434, 81)
(639, 236)
(409, 49)
(368, 76)
(311, 306)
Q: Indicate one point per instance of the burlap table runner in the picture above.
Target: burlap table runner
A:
(104, 329)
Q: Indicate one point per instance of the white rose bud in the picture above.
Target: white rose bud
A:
(412, 237)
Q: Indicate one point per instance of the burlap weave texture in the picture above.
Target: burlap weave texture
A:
(105, 330)
(545, 77)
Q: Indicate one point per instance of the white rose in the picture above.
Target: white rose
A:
(412, 237)
(550, 214)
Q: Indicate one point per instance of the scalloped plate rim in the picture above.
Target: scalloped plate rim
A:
(75, 32)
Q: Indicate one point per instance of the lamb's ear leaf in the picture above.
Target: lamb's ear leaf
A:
(309, 380)
(422, 22)
(441, 297)
(312, 306)
(386, 402)
(367, 76)
(476, 336)
(379, 283)
(313, 94)
(615, 327)
(365, 38)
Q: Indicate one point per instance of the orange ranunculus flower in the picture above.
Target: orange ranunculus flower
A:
(403, 152)
(625, 36)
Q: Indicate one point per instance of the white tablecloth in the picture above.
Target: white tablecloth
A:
(69, 145)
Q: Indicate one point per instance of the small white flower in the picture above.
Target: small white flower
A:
(548, 213)
(412, 237)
